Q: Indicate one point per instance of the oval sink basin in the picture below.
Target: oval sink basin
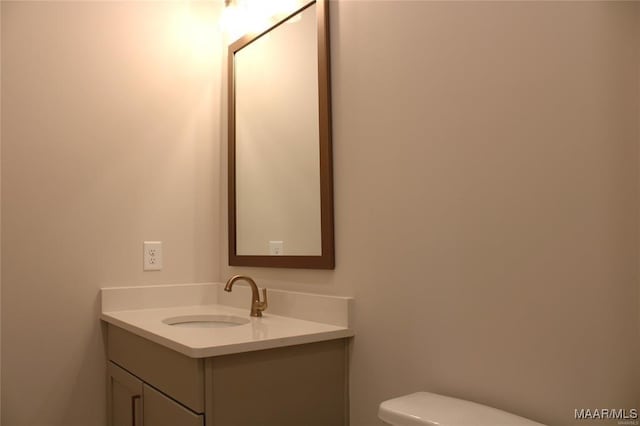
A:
(206, 321)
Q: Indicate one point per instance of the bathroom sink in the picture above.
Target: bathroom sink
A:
(206, 321)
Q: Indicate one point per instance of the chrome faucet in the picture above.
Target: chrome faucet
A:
(256, 305)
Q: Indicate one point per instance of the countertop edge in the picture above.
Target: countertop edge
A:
(206, 352)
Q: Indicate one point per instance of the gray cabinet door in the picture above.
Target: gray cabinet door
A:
(159, 410)
(124, 398)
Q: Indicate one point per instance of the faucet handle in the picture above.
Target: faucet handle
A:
(263, 305)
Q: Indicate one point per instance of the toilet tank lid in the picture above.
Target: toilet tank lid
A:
(430, 409)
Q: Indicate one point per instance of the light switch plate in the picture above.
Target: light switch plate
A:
(152, 255)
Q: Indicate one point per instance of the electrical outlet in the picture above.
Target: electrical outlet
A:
(152, 255)
(275, 248)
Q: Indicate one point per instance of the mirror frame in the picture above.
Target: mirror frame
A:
(327, 258)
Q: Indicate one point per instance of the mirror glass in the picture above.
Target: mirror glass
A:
(279, 146)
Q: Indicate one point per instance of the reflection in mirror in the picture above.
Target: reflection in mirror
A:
(280, 190)
(277, 156)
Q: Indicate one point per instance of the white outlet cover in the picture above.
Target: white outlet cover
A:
(152, 258)
(276, 248)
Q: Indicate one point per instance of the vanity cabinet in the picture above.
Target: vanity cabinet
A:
(152, 385)
(160, 410)
(124, 397)
(131, 402)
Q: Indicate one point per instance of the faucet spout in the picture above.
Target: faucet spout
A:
(257, 306)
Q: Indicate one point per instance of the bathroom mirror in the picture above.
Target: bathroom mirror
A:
(280, 169)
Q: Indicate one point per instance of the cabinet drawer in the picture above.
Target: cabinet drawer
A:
(162, 411)
(171, 372)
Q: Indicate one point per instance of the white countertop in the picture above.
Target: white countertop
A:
(269, 331)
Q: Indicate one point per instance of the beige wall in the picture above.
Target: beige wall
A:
(486, 182)
(110, 138)
(486, 170)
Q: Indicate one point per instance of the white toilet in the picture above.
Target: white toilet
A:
(430, 409)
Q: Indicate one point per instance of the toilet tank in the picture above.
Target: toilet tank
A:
(430, 409)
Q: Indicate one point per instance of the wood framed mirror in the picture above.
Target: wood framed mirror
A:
(280, 156)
